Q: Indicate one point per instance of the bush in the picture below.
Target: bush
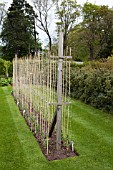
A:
(5, 69)
(93, 84)
(5, 82)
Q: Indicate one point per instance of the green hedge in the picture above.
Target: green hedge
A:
(93, 84)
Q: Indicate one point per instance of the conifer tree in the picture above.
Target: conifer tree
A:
(18, 29)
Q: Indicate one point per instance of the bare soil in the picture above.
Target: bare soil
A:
(53, 154)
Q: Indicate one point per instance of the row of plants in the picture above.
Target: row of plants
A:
(93, 84)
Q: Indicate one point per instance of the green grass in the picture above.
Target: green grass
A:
(92, 133)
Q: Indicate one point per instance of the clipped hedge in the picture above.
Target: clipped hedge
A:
(93, 84)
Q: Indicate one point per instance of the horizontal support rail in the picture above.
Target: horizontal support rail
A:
(62, 57)
(60, 104)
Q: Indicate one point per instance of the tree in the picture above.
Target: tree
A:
(6, 66)
(78, 44)
(18, 29)
(97, 24)
(2, 12)
(43, 11)
(90, 22)
(105, 31)
(67, 14)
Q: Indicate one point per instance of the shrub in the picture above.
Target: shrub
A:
(6, 68)
(5, 82)
(93, 84)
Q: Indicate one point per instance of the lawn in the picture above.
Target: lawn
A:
(92, 133)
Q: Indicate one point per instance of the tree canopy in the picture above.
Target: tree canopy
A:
(18, 29)
(90, 38)
(93, 37)
(2, 12)
(67, 14)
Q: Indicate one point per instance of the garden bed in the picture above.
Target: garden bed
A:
(53, 154)
(65, 152)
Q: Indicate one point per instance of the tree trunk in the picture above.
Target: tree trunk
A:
(91, 52)
(65, 43)
(35, 40)
(50, 44)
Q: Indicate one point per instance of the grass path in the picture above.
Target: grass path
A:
(92, 132)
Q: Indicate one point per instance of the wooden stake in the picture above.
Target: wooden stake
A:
(59, 92)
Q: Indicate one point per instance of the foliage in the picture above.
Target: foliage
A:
(2, 12)
(93, 84)
(5, 82)
(6, 68)
(93, 37)
(80, 51)
(2, 67)
(67, 14)
(97, 22)
(18, 29)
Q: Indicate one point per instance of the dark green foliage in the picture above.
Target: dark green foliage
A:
(93, 84)
(5, 82)
(18, 29)
(3, 69)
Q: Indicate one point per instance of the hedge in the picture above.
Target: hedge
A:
(93, 84)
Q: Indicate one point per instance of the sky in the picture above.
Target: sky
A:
(42, 35)
(98, 2)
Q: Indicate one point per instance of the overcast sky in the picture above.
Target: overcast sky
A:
(98, 2)
(81, 2)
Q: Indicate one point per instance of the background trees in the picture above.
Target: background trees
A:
(2, 12)
(90, 37)
(98, 25)
(18, 29)
(43, 10)
(67, 13)
(77, 43)
(93, 37)
(105, 31)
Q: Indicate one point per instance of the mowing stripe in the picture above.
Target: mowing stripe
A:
(91, 132)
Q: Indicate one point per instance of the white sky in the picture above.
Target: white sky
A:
(42, 35)
(101, 2)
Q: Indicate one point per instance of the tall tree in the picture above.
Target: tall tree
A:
(67, 14)
(78, 44)
(43, 12)
(90, 22)
(18, 29)
(105, 31)
(2, 12)
(98, 28)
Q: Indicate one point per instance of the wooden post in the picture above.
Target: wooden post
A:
(57, 117)
(59, 92)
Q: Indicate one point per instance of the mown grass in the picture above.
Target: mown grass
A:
(92, 133)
